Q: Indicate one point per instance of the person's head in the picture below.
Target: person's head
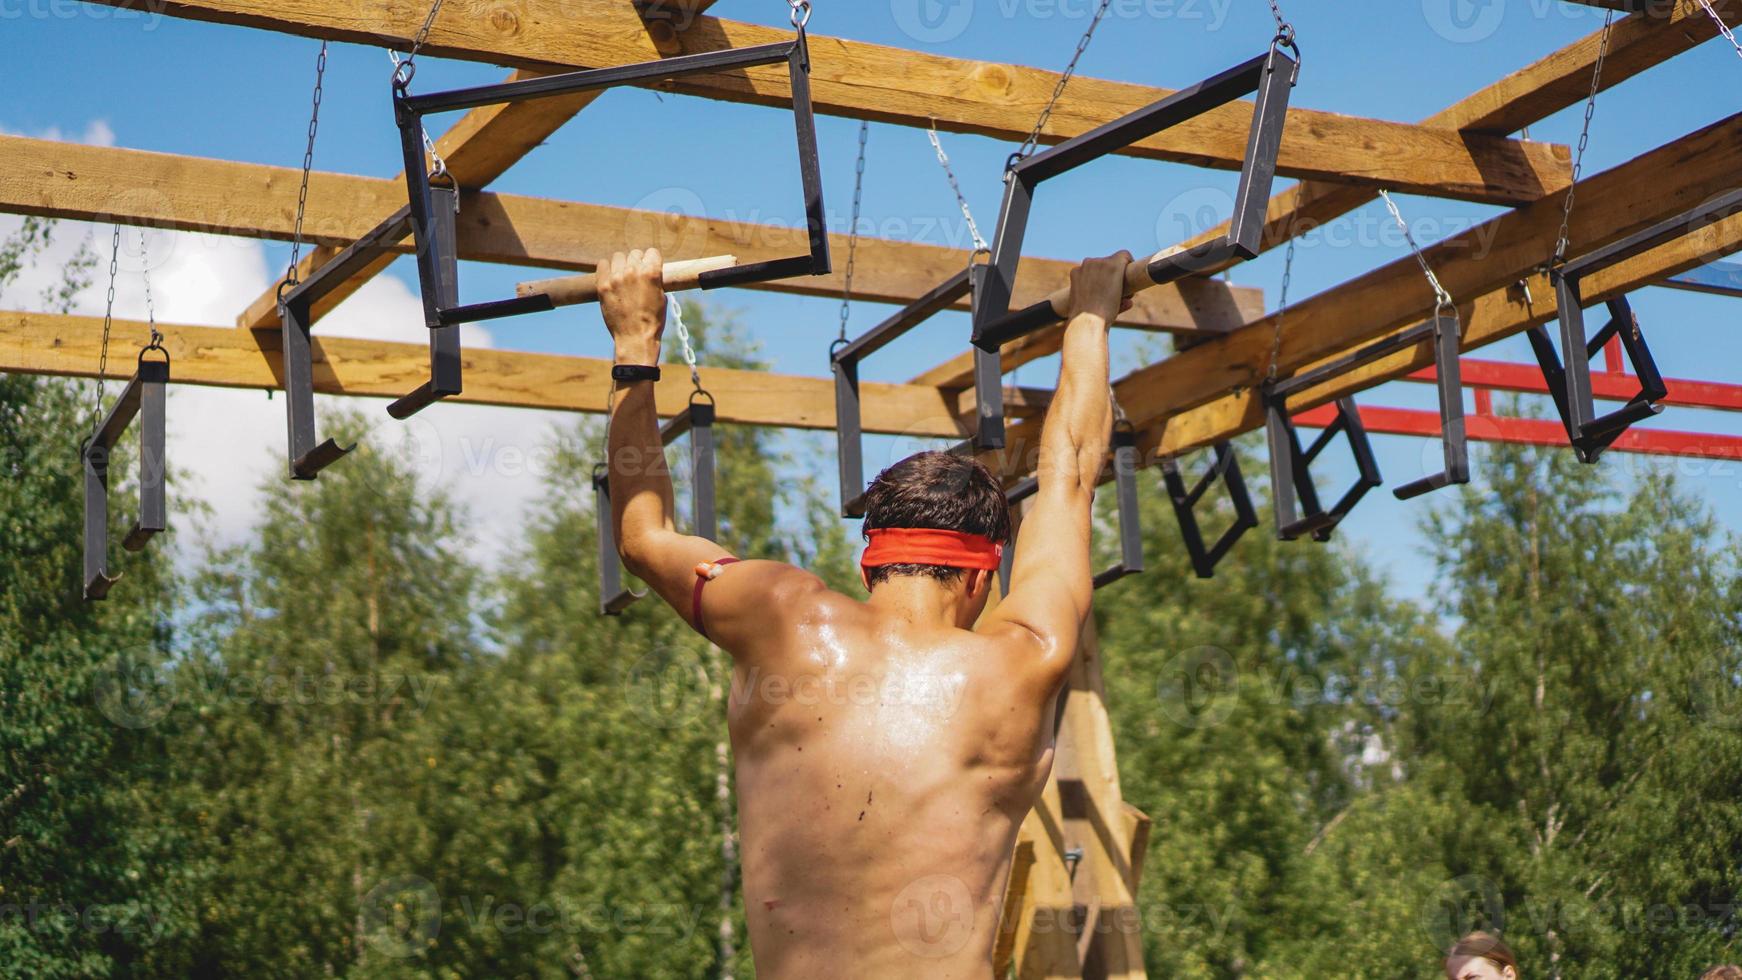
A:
(1481, 956)
(1725, 972)
(945, 492)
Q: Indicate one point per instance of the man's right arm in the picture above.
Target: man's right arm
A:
(1051, 584)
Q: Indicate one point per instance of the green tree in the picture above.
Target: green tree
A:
(91, 882)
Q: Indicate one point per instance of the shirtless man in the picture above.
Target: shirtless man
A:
(887, 750)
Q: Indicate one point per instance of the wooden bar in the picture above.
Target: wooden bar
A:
(159, 190)
(913, 88)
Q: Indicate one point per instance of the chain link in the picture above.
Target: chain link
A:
(853, 230)
(683, 336)
(1284, 29)
(1562, 239)
(1723, 28)
(956, 187)
(1442, 298)
(405, 69)
(108, 318)
(150, 309)
(294, 275)
(1033, 141)
(800, 13)
(1282, 307)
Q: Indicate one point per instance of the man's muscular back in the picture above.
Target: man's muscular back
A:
(886, 750)
(883, 770)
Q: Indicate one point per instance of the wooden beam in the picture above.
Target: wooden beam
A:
(94, 183)
(478, 149)
(1526, 96)
(915, 88)
(43, 343)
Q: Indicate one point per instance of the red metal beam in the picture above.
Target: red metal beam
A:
(1611, 384)
(1483, 427)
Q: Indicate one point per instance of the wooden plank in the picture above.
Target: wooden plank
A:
(477, 149)
(916, 88)
(43, 343)
(158, 190)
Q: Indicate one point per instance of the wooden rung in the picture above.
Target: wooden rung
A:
(574, 290)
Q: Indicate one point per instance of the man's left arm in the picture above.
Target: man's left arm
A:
(632, 300)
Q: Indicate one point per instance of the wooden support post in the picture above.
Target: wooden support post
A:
(1070, 909)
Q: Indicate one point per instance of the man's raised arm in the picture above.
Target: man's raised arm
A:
(632, 301)
(1051, 584)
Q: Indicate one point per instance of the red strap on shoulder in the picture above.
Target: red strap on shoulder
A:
(705, 573)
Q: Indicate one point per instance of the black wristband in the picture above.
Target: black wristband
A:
(634, 372)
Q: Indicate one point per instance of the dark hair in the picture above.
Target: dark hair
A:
(1485, 945)
(936, 490)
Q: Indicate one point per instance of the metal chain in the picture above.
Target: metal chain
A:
(800, 13)
(683, 336)
(293, 276)
(1033, 140)
(1284, 29)
(404, 70)
(150, 310)
(955, 186)
(1442, 298)
(853, 229)
(108, 318)
(1723, 28)
(1561, 240)
(1282, 307)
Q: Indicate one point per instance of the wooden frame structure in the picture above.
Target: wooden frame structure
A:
(1081, 854)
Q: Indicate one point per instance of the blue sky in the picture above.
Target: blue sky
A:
(176, 86)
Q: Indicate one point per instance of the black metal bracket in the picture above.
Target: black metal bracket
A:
(1226, 467)
(308, 454)
(698, 422)
(1570, 383)
(1124, 446)
(145, 397)
(437, 270)
(1298, 510)
(844, 359)
(1271, 75)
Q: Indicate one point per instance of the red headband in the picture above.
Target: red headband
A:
(929, 546)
